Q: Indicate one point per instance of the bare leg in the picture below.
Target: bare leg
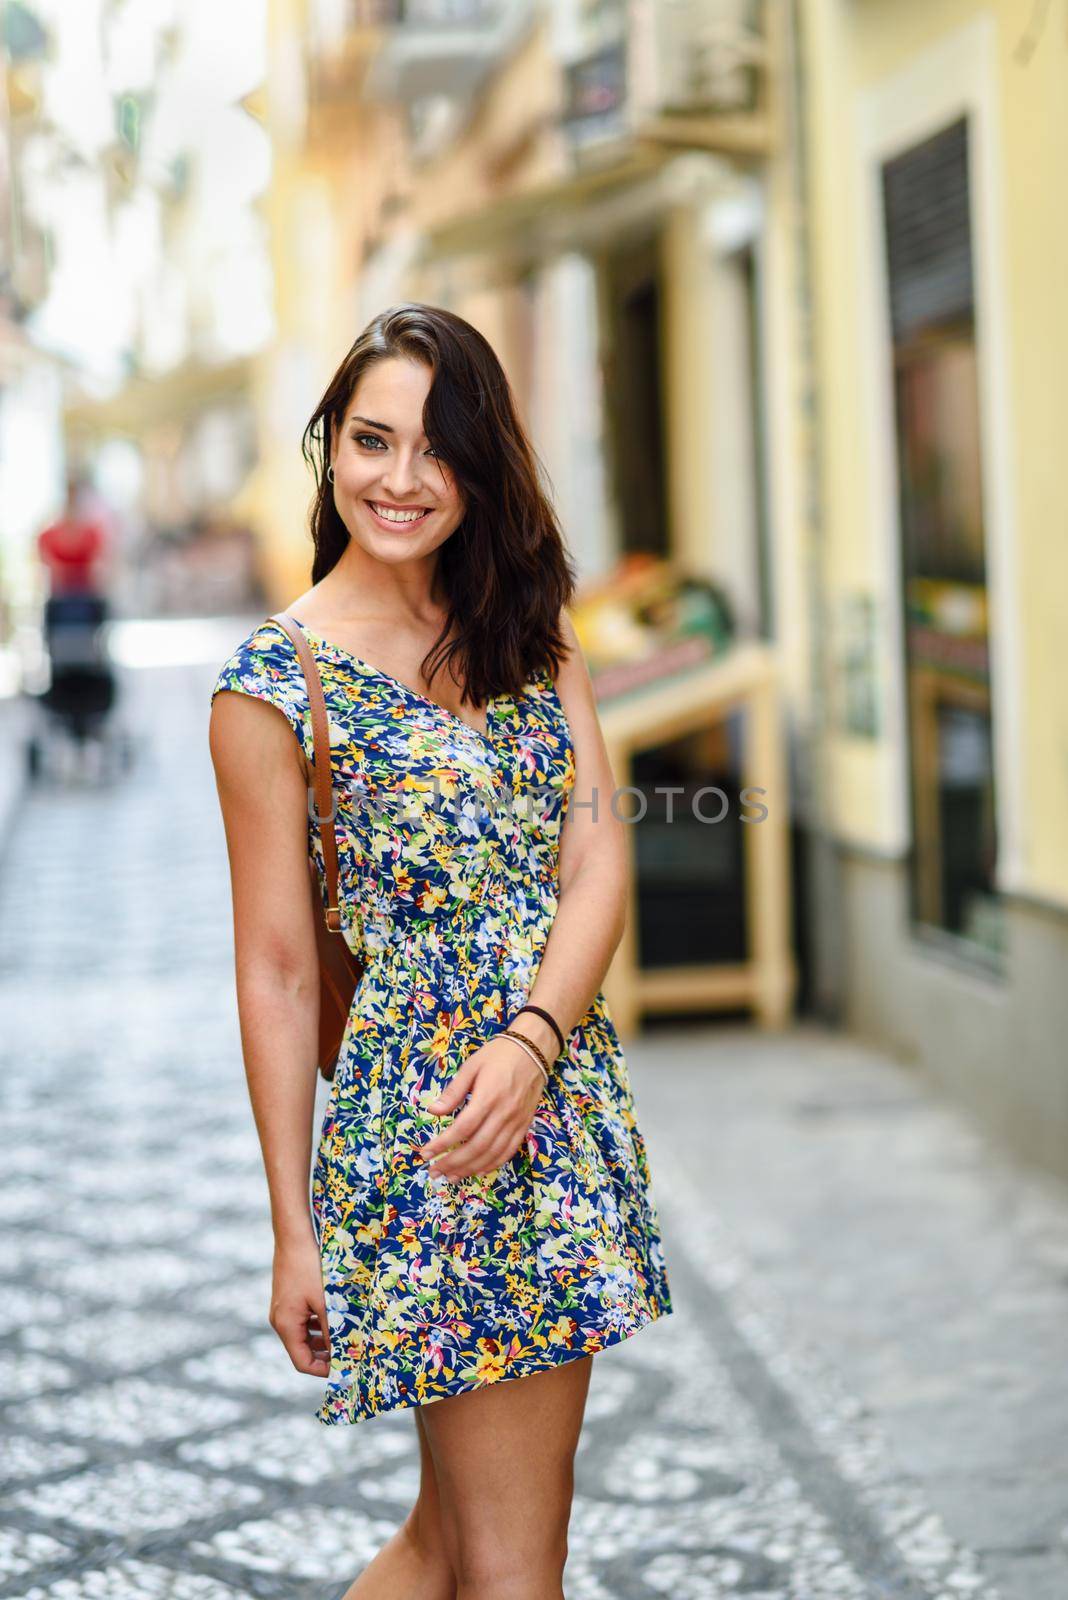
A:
(413, 1564)
(504, 1456)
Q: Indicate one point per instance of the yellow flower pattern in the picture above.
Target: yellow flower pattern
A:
(448, 845)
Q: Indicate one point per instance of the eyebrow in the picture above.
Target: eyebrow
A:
(372, 423)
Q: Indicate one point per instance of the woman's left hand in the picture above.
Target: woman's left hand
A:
(505, 1088)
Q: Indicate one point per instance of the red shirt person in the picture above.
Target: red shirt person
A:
(73, 549)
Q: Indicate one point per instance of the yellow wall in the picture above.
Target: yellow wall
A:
(510, 143)
(331, 181)
(848, 48)
(1035, 117)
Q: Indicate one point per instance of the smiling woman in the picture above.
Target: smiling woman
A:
(480, 1205)
(415, 440)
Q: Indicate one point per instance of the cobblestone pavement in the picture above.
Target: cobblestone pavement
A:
(156, 1441)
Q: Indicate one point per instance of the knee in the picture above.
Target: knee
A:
(516, 1561)
(423, 1537)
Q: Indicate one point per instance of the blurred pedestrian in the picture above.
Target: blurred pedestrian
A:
(76, 553)
(76, 549)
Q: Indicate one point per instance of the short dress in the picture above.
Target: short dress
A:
(448, 845)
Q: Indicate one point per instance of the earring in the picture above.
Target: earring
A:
(330, 474)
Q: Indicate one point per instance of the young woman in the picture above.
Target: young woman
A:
(480, 1208)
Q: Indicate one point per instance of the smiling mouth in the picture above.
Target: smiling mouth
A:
(393, 517)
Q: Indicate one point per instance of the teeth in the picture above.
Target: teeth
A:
(398, 516)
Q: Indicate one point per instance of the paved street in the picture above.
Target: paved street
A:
(863, 1384)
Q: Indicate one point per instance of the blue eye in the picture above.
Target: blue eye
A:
(361, 438)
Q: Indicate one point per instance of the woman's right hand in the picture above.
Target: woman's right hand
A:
(298, 1306)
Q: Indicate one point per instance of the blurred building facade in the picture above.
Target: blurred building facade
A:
(935, 139)
(776, 287)
(138, 277)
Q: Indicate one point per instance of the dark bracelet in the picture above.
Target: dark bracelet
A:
(554, 1025)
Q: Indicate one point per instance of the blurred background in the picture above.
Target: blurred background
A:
(779, 286)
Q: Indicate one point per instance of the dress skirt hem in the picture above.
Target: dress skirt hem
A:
(335, 1409)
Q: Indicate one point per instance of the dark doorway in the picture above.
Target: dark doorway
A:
(633, 403)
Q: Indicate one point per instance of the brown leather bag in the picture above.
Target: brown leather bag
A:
(339, 970)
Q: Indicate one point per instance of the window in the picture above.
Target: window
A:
(927, 216)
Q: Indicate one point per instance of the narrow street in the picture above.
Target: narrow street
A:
(861, 1394)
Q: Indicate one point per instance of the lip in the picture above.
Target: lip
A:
(395, 526)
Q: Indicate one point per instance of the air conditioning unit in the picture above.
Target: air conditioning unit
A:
(696, 57)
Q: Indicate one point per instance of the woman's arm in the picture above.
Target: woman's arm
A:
(587, 927)
(592, 905)
(262, 787)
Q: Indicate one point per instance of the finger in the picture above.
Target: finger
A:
(454, 1091)
(464, 1126)
(465, 1160)
(316, 1366)
(309, 1359)
(312, 1350)
(294, 1336)
(455, 1134)
(322, 1330)
(478, 1164)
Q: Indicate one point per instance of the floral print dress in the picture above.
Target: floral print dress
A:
(448, 844)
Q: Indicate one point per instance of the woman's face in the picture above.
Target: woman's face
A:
(383, 464)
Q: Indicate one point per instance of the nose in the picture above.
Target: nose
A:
(401, 478)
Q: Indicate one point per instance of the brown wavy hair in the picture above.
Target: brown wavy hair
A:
(504, 571)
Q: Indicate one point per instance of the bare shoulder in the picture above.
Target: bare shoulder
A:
(575, 690)
(573, 677)
(259, 707)
(247, 738)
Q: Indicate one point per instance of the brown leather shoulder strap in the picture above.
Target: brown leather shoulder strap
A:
(321, 768)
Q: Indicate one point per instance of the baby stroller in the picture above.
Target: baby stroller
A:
(83, 687)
